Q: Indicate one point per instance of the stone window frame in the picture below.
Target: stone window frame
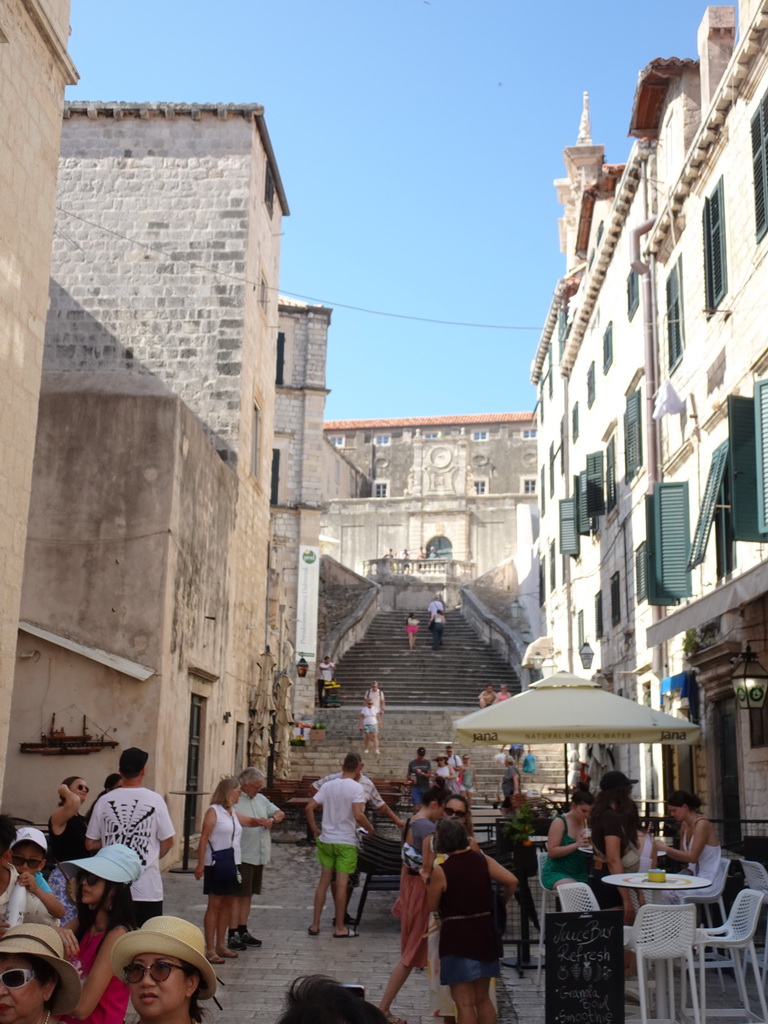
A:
(529, 485)
(432, 435)
(382, 440)
(337, 440)
(480, 435)
(531, 432)
(481, 486)
(381, 486)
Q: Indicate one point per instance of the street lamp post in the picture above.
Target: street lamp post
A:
(750, 681)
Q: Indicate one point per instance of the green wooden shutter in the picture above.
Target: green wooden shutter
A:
(616, 599)
(633, 436)
(608, 348)
(543, 494)
(759, 127)
(580, 629)
(570, 541)
(675, 315)
(641, 572)
(668, 543)
(585, 525)
(542, 579)
(599, 614)
(708, 501)
(562, 330)
(633, 294)
(552, 470)
(591, 386)
(595, 489)
(575, 422)
(610, 475)
(742, 469)
(761, 452)
(715, 271)
(550, 374)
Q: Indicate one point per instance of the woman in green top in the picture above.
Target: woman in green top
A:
(565, 862)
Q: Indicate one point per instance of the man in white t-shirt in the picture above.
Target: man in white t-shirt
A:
(138, 818)
(343, 804)
(369, 724)
(454, 760)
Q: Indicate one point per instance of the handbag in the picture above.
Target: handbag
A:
(223, 868)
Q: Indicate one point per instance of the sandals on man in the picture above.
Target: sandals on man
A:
(213, 958)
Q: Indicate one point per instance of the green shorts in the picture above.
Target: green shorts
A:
(342, 857)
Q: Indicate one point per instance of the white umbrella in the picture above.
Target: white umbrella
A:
(563, 708)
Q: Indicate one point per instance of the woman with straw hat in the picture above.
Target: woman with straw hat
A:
(104, 913)
(166, 971)
(35, 979)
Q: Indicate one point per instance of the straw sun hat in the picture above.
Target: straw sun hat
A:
(169, 936)
(45, 943)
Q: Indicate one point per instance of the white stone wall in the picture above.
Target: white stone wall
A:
(34, 68)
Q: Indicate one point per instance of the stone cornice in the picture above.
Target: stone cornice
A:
(56, 46)
(732, 85)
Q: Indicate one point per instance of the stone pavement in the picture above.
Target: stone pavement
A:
(255, 983)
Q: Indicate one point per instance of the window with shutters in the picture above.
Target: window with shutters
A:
(715, 270)
(616, 598)
(550, 374)
(595, 486)
(610, 476)
(542, 579)
(562, 445)
(580, 629)
(633, 436)
(274, 488)
(280, 361)
(759, 127)
(712, 490)
(591, 386)
(608, 348)
(599, 615)
(552, 566)
(641, 573)
(742, 469)
(541, 404)
(633, 293)
(668, 543)
(552, 470)
(580, 491)
(570, 540)
(543, 490)
(761, 453)
(575, 421)
(675, 315)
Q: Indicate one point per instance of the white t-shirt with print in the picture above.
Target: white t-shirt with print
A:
(337, 798)
(138, 818)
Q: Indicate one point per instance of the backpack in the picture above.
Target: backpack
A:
(529, 764)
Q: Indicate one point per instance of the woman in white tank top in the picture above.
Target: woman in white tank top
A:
(699, 844)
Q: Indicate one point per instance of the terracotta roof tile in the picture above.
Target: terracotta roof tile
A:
(432, 421)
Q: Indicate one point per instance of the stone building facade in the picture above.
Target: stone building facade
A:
(464, 486)
(651, 374)
(164, 286)
(34, 69)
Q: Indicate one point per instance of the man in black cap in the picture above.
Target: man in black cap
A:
(418, 773)
(138, 818)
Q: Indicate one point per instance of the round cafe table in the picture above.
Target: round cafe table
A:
(639, 880)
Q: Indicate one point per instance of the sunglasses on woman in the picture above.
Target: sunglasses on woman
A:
(159, 970)
(16, 977)
(452, 812)
(89, 879)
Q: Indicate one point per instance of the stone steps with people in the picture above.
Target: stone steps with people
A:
(403, 731)
(453, 675)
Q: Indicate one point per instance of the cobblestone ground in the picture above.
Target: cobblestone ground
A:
(254, 985)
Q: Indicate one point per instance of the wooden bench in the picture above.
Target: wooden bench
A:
(379, 860)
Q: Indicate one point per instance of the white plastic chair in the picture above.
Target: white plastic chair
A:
(547, 901)
(716, 896)
(664, 934)
(737, 933)
(756, 877)
(576, 898)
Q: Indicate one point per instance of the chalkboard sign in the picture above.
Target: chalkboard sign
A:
(585, 968)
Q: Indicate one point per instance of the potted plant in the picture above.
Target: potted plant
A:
(297, 741)
(319, 730)
(519, 831)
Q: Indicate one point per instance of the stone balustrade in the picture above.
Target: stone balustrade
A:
(438, 569)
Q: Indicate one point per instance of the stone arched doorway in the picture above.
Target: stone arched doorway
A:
(439, 547)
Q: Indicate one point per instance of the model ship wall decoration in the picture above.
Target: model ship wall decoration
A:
(57, 741)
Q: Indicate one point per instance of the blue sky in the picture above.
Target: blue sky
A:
(417, 141)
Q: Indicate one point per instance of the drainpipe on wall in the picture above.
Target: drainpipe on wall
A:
(651, 387)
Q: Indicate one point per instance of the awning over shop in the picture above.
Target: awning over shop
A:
(751, 585)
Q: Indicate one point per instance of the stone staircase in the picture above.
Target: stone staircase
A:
(452, 676)
(405, 729)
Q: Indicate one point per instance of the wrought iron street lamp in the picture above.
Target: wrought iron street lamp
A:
(750, 680)
(587, 655)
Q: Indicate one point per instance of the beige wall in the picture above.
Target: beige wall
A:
(34, 68)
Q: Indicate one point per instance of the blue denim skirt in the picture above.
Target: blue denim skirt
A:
(456, 969)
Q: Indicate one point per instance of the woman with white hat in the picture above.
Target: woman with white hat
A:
(104, 914)
(166, 971)
(35, 979)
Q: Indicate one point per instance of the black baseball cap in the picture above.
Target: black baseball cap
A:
(615, 780)
(132, 760)
(421, 750)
